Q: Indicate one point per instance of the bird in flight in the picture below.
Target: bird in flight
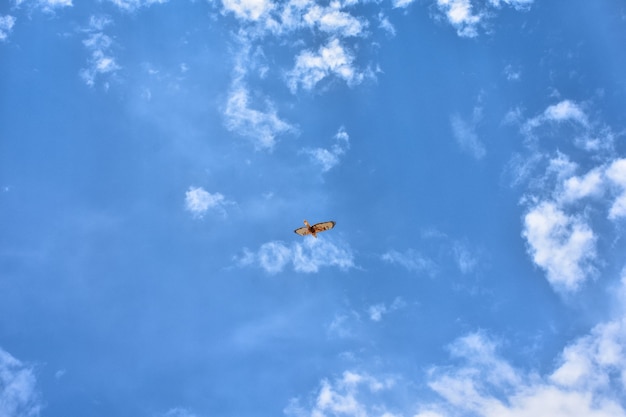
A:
(315, 229)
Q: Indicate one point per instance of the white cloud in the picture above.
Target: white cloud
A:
(248, 9)
(46, 5)
(377, 311)
(562, 245)
(6, 26)
(99, 45)
(459, 14)
(307, 257)
(261, 126)
(401, 3)
(198, 201)
(587, 381)
(331, 59)
(349, 395)
(465, 135)
(563, 111)
(18, 395)
(411, 260)
(616, 173)
(488, 385)
(566, 110)
(576, 188)
(334, 21)
(329, 158)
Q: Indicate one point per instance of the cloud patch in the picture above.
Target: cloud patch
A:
(563, 245)
(6, 26)
(18, 394)
(329, 158)
(307, 257)
(99, 45)
(330, 60)
(349, 395)
(198, 202)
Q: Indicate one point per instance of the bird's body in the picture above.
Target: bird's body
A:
(315, 229)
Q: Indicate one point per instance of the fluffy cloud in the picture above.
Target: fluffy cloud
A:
(6, 25)
(99, 45)
(307, 257)
(332, 59)
(329, 158)
(18, 396)
(198, 201)
(562, 245)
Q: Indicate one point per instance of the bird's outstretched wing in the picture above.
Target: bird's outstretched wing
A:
(320, 227)
(302, 231)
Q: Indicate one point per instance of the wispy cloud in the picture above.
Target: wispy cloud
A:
(6, 26)
(132, 5)
(18, 394)
(465, 135)
(329, 158)
(309, 256)
(99, 45)
(262, 126)
(411, 260)
(586, 134)
(198, 201)
(516, 4)
(45, 5)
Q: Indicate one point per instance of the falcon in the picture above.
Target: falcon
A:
(315, 229)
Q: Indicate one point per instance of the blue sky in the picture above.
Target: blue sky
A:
(156, 156)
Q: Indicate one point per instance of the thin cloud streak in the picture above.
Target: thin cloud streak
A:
(307, 257)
